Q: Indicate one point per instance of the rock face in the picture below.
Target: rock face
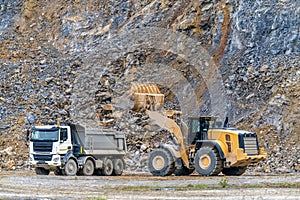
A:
(73, 60)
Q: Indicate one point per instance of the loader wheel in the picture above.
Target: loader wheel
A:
(234, 171)
(41, 171)
(107, 168)
(88, 168)
(70, 168)
(207, 162)
(161, 163)
(118, 167)
(184, 171)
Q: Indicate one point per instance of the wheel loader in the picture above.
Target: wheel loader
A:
(202, 145)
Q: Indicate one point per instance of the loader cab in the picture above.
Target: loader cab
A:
(199, 126)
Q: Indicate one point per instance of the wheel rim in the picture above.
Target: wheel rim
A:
(108, 168)
(119, 165)
(71, 167)
(205, 161)
(158, 162)
(89, 168)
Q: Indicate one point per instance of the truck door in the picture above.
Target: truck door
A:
(65, 141)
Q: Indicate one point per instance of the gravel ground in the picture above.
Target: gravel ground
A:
(27, 185)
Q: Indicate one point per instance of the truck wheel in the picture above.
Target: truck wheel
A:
(234, 171)
(161, 163)
(184, 171)
(70, 168)
(108, 167)
(118, 167)
(41, 171)
(88, 168)
(208, 162)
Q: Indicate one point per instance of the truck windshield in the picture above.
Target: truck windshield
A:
(44, 134)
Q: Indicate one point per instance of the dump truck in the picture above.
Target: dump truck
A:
(70, 149)
(202, 144)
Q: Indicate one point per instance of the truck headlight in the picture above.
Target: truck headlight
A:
(56, 159)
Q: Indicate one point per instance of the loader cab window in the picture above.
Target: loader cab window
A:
(205, 124)
(198, 128)
(195, 126)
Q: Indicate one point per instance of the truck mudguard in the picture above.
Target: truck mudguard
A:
(68, 155)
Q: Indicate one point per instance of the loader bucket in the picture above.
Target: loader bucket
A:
(146, 97)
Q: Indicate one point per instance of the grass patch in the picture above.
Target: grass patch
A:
(222, 184)
(138, 187)
(150, 187)
(269, 185)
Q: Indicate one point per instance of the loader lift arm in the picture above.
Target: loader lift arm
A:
(172, 127)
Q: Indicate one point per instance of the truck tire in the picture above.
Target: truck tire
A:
(41, 171)
(234, 171)
(71, 168)
(184, 171)
(118, 167)
(208, 162)
(161, 163)
(107, 168)
(88, 168)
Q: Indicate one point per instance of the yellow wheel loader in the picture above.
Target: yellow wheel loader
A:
(202, 144)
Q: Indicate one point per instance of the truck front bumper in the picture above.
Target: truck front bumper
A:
(51, 165)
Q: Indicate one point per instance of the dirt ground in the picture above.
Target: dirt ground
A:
(27, 185)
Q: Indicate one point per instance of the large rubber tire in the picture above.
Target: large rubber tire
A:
(118, 167)
(41, 171)
(161, 163)
(208, 162)
(184, 171)
(88, 168)
(107, 168)
(234, 171)
(71, 168)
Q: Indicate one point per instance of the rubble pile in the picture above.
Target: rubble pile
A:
(14, 152)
